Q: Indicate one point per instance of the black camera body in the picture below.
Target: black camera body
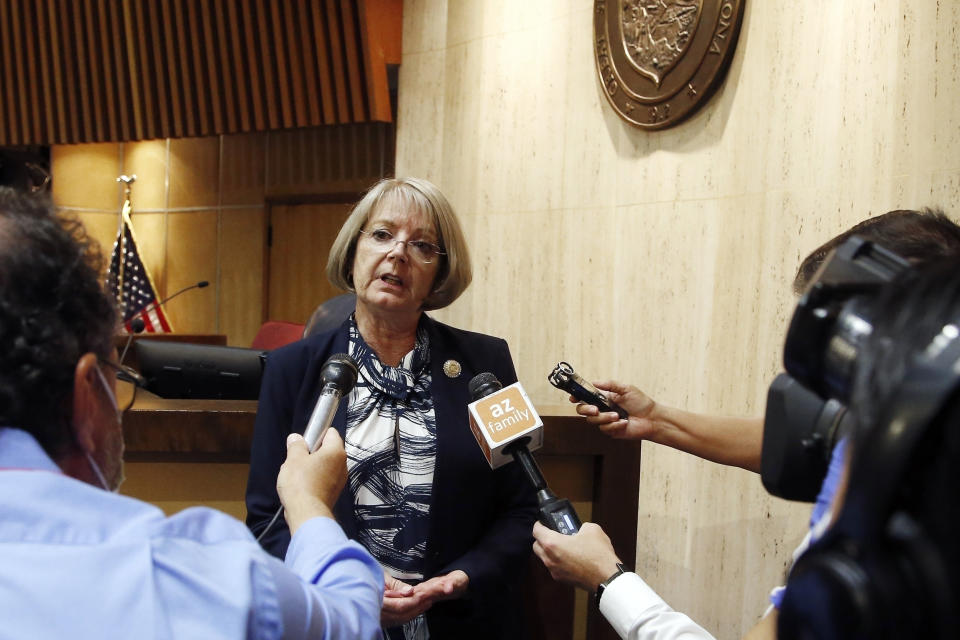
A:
(875, 572)
(806, 407)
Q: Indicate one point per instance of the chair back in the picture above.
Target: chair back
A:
(276, 333)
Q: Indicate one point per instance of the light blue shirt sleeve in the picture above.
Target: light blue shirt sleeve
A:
(334, 591)
(830, 483)
(821, 508)
(79, 562)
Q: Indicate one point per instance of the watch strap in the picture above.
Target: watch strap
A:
(603, 585)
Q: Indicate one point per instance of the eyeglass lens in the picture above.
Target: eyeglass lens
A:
(421, 250)
(126, 391)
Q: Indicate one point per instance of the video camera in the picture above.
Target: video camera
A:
(806, 411)
(884, 566)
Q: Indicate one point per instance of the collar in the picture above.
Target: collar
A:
(397, 382)
(20, 450)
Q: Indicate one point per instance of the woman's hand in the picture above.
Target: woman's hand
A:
(447, 587)
(402, 602)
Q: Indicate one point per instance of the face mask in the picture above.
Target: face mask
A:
(113, 398)
(99, 474)
(93, 464)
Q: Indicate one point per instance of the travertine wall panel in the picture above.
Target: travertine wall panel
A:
(665, 259)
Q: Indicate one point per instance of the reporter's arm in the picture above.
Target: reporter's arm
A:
(328, 586)
(340, 589)
(309, 483)
(632, 608)
(636, 612)
(766, 629)
(725, 440)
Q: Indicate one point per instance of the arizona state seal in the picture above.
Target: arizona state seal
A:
(659, 60)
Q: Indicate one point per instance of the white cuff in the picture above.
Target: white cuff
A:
(635, 611)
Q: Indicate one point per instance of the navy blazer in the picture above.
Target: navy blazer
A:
(480, 519)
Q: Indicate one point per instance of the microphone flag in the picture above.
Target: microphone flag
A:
(502, 418)
(130, 282)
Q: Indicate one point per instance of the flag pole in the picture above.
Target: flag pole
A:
(124, 219)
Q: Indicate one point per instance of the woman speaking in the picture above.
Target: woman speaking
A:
(452, 535)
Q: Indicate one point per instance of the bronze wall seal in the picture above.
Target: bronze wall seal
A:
(659, 60)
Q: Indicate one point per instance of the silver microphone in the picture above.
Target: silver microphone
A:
(338, 376)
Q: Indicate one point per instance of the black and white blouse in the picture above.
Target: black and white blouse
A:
(391, 449)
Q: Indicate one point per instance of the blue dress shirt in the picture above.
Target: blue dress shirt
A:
(79, 562)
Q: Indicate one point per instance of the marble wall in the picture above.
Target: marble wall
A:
(665, 259)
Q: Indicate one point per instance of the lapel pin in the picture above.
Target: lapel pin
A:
(451, 368)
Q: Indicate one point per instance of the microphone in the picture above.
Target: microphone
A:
(137, 325)
(338, 376)
(155, 304)
(504, 423)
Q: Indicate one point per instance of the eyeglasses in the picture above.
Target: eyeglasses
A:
(127, 382)
(384, 241)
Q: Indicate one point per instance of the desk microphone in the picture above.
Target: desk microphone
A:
(504, 422)
(337, 378)
(152, 305)
(137, 325)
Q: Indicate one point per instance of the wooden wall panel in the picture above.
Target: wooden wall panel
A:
(199, 211)
(174, 486)
(242, 244)
(302, 236)
(383, 46)
(191, 257)
(342, 159)
(87, 175)
(94, 70)
(102, 228)
(243, 175)
(148, 161)
(194, 177)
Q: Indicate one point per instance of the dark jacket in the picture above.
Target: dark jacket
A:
(480, 519)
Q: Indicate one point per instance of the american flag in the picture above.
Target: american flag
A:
(130, 282)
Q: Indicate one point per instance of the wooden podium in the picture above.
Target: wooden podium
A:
(160, 430)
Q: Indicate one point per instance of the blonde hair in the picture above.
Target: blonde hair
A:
(455, 272)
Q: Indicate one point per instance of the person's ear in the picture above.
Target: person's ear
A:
(87, 398)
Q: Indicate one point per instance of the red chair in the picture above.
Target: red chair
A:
(276, 333)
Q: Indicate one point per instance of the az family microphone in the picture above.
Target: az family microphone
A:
(504, 423)
(337, 378)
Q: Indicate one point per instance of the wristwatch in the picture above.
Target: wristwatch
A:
(606, 583)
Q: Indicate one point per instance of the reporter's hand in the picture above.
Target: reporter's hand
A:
(310, 483)
(584, 559)
(640, 424)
